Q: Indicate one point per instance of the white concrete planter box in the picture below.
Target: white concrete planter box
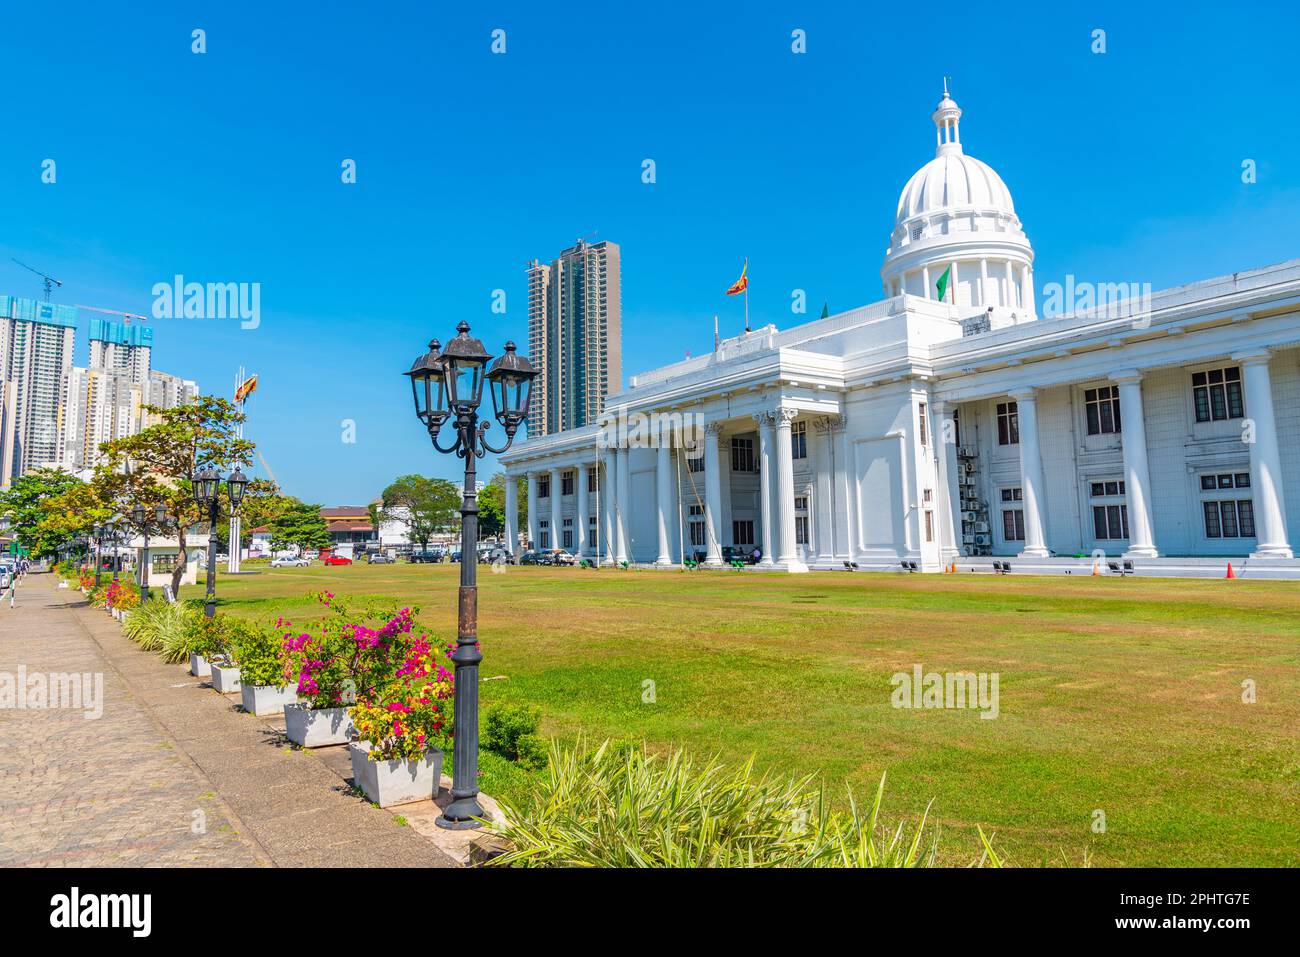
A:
(317, 728)
(225, 678)
(395, 782)
(200, 667)
(267, 699)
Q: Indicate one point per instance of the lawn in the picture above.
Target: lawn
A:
(1120, 697)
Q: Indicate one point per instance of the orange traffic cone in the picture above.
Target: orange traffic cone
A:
(1095, 572)
(1231, 573)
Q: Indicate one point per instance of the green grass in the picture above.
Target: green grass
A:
(1123, 696)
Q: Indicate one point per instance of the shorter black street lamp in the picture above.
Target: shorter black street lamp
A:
(207, 487)
(100, 532)
(450, 385)
(145, 521)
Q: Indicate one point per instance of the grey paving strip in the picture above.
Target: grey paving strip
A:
(291, 808)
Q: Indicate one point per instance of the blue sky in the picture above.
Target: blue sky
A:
(225, 167)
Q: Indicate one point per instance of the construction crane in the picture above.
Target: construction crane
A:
(50, 281)
(262, 458)
(127, 316)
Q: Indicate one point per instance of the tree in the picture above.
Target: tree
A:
(299, 524)
(423, 505)
(154, 466)
(29, 503)
(492, 505)
(256, 511)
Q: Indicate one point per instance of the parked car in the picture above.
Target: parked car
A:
(530, 557)
(561, 557)
(433, 555)
(337, 560)
(289, 561)
(379, 558)
(738, 553)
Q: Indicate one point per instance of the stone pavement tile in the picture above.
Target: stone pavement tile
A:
(295, 809)
(99, 792)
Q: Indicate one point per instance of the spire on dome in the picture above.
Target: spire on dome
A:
(947, 118)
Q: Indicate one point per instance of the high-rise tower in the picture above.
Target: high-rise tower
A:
(574, 336)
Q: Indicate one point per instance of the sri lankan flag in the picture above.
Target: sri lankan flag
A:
(741, 284)
(246, 388)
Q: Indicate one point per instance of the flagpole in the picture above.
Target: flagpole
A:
(747, 307)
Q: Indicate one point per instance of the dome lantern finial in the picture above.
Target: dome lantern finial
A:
(947, 117)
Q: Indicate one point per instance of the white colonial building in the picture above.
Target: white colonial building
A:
(928, 428)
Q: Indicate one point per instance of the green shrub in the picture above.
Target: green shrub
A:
(259, 653)
(511, 731)
(599, 808)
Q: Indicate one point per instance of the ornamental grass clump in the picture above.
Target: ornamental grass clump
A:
(152, 622)
(615, 806)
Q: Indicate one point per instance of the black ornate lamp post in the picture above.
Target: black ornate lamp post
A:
(100, 532)
(207, 487)
(145, 521)
(450, 385)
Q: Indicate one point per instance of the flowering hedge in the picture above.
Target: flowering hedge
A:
(375, 658)
(121, 596)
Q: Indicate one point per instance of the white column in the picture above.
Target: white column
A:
(582, 521)
(555, 507)
(787, 556)
(950, 507)
(925, 283)
(663, 494)
(1011, 287)
(1265, 460)
(532, 510)
(766, 459)
(623, 512)
(824, 497)
(512, 514)
(1027, 291)
(953, 282)
(1137, 473)
(1031, 474)
(609, 505)
(984, 281)
(713, 494)
(846, 486)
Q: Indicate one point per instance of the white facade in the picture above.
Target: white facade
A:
(1164, 428)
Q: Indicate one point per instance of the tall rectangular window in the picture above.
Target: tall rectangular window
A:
(742, 454)
(695, 463)
(1227, 516)
(1013, 518)
(592, 479)
(799, 440)
(1216, 394)
(543, 486)
(566, 483)
(922, 431)
(1008, 423)
(698, 537)
(1102, 407)
(742, 532)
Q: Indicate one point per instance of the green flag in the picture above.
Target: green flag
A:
(942, 285)
(826, 310)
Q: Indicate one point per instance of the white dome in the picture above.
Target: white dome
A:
(956, 216)
(952, 181)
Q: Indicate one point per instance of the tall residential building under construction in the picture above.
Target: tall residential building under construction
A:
(574, 336)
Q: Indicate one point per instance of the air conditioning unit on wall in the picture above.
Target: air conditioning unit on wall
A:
(981, 526)
(968, 516)
(983, 540)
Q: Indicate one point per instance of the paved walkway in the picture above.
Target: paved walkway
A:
(171, 773)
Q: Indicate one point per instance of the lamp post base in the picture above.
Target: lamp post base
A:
(450, 825)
